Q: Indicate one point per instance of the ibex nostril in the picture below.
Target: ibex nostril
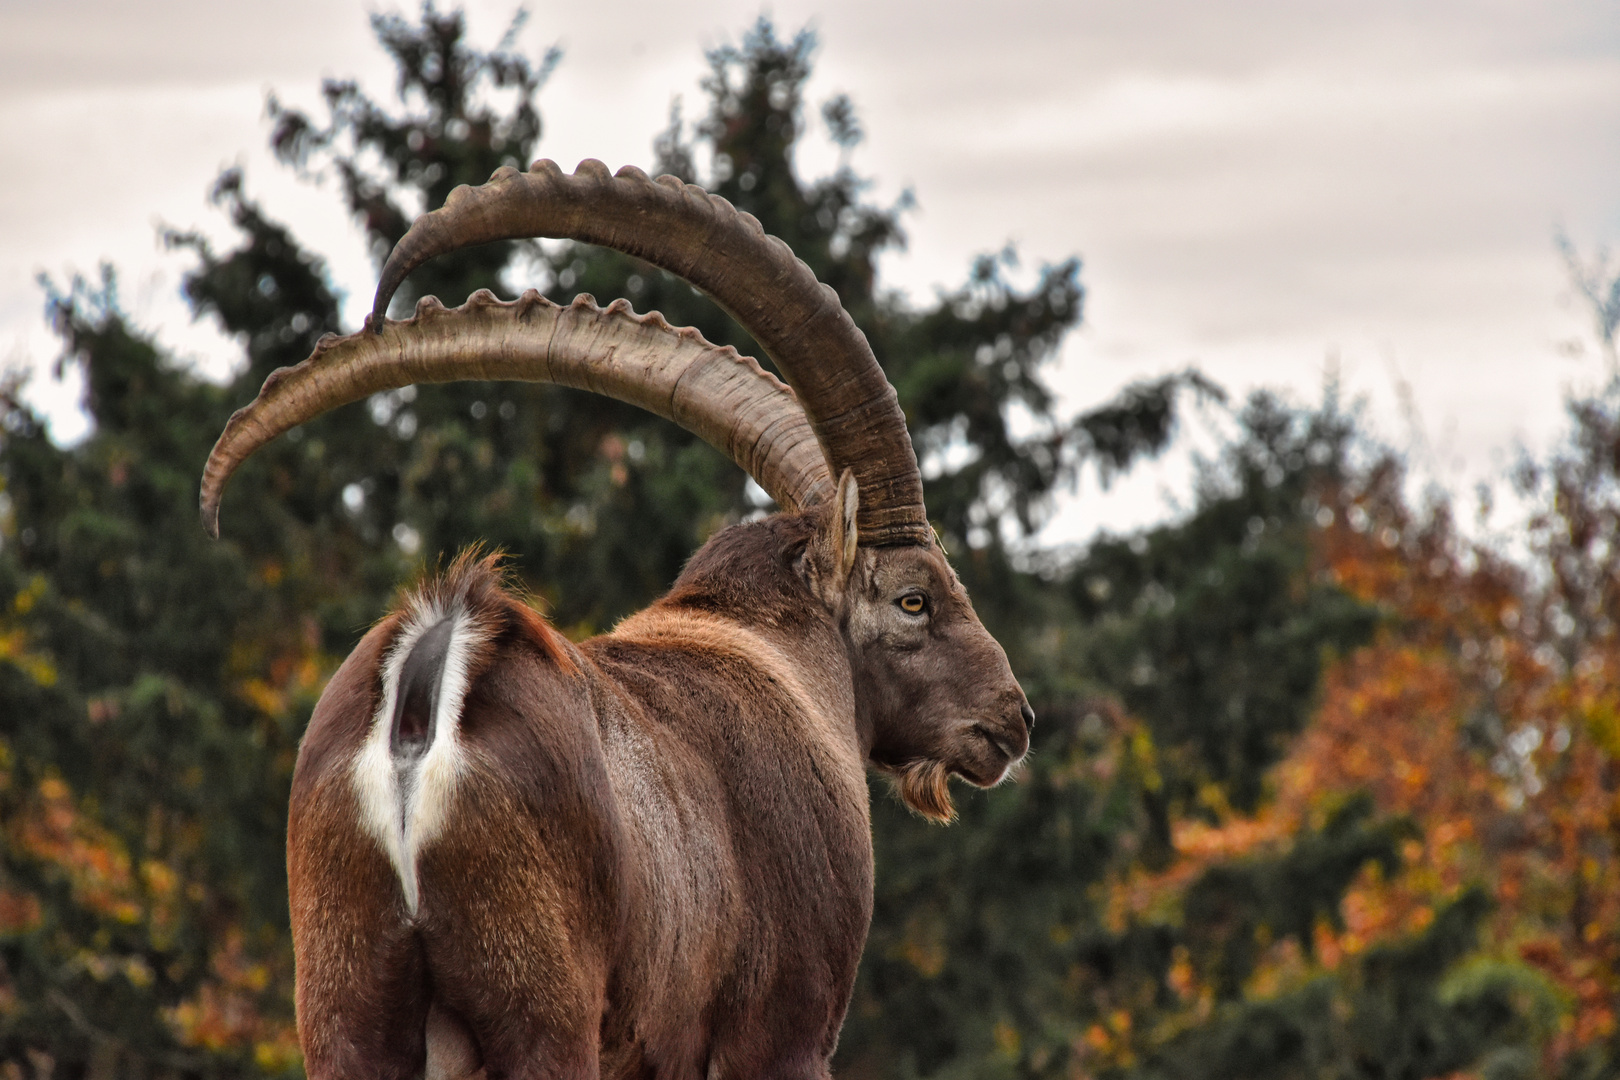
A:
(1029, 717)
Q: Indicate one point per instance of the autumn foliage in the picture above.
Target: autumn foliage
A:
(1482, 718)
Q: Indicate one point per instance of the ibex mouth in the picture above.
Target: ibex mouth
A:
(997, 741)
(1004, 751)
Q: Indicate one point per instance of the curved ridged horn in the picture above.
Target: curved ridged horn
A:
(724, 398)
(755, 277)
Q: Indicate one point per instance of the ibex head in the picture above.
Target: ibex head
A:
(933, 691)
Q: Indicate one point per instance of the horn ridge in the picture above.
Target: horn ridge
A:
(713, 391)
(754, 276)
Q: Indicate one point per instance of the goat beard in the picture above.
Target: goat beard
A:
(924, 786)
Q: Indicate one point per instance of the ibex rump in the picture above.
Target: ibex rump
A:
(649, 854)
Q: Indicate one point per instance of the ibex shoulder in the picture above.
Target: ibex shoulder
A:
(808, 679)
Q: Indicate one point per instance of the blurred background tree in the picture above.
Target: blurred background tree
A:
(1319, 787)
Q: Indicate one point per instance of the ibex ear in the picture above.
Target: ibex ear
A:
(842, 537)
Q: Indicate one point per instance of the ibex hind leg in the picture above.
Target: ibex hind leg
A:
(362, 989)
(788, 1034)
(510, 937)
(793, 1065)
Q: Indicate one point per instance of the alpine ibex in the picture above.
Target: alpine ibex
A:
(648, 854)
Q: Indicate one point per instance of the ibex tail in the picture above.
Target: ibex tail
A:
(408, 770)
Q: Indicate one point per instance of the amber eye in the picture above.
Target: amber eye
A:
(913, 604)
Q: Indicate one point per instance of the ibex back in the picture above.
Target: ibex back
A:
(649, 854)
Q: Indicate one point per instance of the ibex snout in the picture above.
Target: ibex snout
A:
(1005, 737)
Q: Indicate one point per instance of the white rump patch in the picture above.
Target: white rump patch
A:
(405, 808)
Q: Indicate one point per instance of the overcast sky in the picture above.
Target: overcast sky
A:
(1253, 187)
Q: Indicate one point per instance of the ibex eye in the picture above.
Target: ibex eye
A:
(912, 604)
